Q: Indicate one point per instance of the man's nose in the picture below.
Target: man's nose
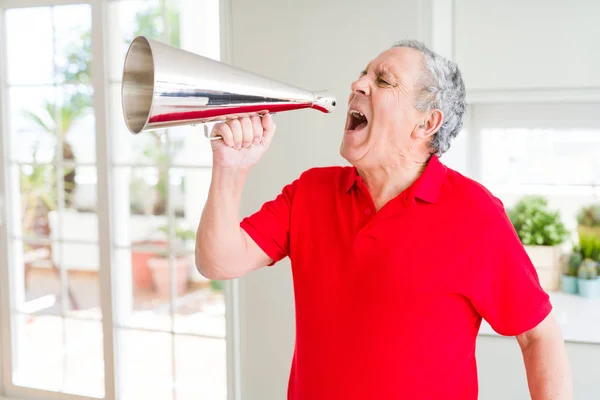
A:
(361, 86)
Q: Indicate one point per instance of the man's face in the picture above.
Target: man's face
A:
(384, 94)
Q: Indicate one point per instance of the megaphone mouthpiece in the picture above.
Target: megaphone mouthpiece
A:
(164, 86)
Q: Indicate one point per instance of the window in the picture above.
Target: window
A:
(67, 227)
(547, 149)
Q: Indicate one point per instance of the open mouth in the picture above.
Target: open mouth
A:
(357, 121)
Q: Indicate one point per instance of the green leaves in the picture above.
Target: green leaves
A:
(536, 224)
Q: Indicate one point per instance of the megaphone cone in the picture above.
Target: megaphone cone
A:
(164, 86)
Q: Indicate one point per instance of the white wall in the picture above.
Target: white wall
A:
(316, 45)
(515, 44)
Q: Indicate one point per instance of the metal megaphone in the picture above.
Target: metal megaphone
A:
(164, 86)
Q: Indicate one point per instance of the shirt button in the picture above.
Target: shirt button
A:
(368, 211)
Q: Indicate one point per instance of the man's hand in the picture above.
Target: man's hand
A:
(245, 141)
(546, 362)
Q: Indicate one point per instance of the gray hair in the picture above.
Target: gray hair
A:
(443, 89)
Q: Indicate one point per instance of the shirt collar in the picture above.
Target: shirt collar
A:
(426, 187)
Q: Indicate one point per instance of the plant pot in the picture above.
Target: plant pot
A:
(141, 274)
(161, 275)
(569, 284)
(589, 287)
(547, 265)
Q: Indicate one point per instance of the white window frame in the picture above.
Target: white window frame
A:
(105, 213)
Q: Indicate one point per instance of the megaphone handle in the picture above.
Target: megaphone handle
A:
(207, 134)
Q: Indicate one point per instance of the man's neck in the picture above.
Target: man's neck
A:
(387, 181)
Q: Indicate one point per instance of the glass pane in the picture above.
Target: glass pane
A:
(200, 308)
(83, 196)
(59, 355)
(158, 19)
(38, 199)
(143, 284)
(200, 368)
(541, 156)
(128, 148)
(29, 51)
(39, 345)
(73, 28)
(77, 124)
(189, 147)
(84, 358)
(81, 261)
(567, 200)
(145, 365)
(36, 279)
(32, 114)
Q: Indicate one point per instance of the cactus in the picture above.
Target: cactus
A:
(589, 215)
(575, 261)
(588, 270)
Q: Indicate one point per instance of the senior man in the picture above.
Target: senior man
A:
(395, 259)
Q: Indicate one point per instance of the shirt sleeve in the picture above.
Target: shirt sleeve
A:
(504, 286)
(269, 227)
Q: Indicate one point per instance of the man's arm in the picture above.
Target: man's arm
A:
(223, 249)
(546, 362)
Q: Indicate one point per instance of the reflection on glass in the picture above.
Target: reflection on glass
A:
(145, 364)
(200, 368)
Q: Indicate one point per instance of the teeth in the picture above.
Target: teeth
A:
(357, 114)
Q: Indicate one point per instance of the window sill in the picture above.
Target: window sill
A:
(579, 318)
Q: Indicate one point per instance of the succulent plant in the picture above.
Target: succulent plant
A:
(588, 270)
(575, 261)
(589, 215)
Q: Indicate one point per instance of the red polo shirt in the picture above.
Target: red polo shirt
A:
(389, 302)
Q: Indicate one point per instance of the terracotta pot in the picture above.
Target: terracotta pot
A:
(140, 270)
(161, 275)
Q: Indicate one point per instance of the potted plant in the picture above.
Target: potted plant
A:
(159, 264)
(569, 278)
(588, 282)
(541, 231)
(588, 220)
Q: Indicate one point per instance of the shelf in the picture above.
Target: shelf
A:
(579, 318)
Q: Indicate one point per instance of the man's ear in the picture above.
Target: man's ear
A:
(430, 125)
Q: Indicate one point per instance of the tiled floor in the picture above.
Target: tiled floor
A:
(66, 354)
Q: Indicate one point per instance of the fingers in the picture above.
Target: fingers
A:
(224, 130)
(247, 135)
(269, 127)
(246, 131)
(257, 129)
